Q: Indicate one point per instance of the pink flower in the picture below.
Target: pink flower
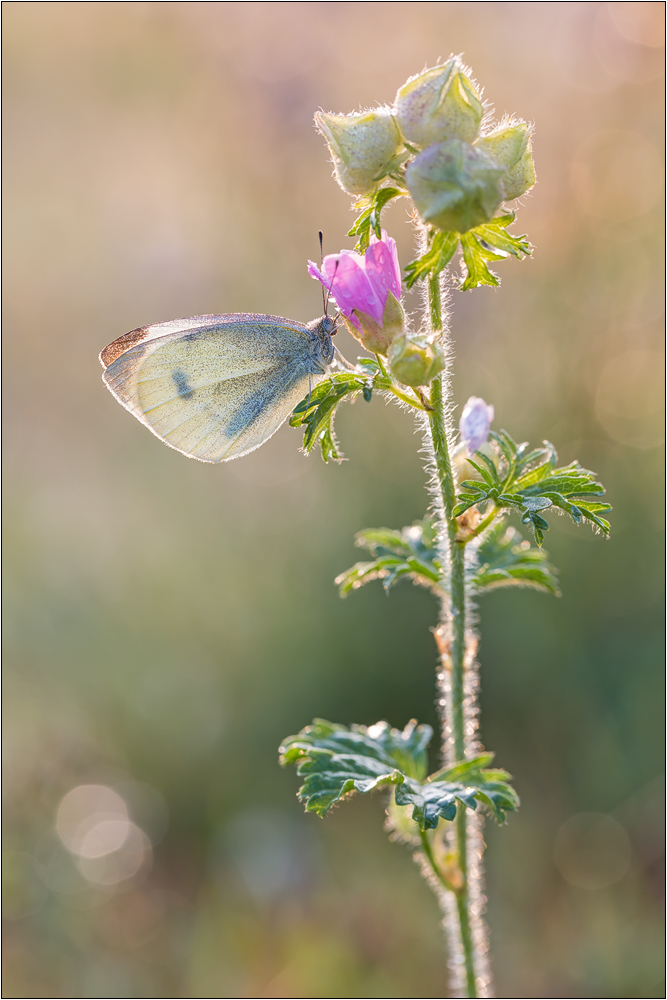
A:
(475, 423)
(361, 285)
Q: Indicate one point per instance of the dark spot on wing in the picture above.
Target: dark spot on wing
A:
(181, 383)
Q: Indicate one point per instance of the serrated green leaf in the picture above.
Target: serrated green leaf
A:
(434, 260)
(369, 220)
(495, 234)
(490, 474)
(316, 412)
(475, 257)
(491, 784)
(545, 458)
(411, 552)
(489, 242)
(504, 559)
(393, 748)
(336, 761)
(527, 480)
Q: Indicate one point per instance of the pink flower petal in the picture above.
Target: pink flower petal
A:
(386, 257)
(351, 287)
(314, 272)
(361, 282)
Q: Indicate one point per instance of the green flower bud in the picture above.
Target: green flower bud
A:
(510, 146)
(441, 103)
(378, 337)
(361, 145)
(415, 359)
(455, 186)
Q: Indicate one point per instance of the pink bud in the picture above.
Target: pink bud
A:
(360, 284)
(475, 423)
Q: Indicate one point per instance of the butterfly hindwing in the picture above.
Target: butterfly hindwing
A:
(213, 387)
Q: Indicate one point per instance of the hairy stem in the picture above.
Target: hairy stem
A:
(453, 642)
(457, 603)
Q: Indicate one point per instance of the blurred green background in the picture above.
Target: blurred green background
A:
(168, 622)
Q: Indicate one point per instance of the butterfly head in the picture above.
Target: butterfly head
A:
(329, 324)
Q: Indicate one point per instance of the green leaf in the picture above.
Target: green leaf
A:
(336, 761)
(437, 257)
(517, 478)
(369, 220)
(487, 785)
(475, 256)
(411, 553)
(316, 412)
(504, 559)
(495, 234)
(404, 749)
(483, 243)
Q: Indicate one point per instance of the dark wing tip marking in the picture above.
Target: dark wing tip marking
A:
(124, 343)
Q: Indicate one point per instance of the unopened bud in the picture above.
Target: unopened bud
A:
(415, 360)
(361, 145)
(475, 423)
(511, 148)
(455, 186)
(440, 103)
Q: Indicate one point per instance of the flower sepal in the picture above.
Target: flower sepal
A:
(378, 337)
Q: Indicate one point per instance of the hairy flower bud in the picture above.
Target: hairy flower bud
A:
(361, 145)
(511, 148)
(440, 103)
(475, 423)
(415, 359)
(455, 186)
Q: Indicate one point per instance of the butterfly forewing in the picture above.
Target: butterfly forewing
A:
(213, 387)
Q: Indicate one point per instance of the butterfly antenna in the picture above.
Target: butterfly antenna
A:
(324, 294)
(328, 293)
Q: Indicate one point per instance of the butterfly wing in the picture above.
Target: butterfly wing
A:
(213, 387)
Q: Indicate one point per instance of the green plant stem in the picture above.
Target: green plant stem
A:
(428, 853)
(418, 404)
(406, 399)
(463, 902)
(457, 620)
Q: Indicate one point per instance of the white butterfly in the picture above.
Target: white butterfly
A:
(217, 387)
